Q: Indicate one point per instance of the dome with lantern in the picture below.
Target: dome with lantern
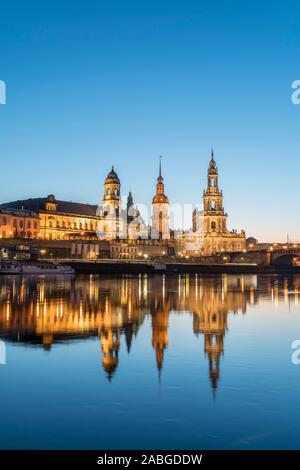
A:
(112, 177)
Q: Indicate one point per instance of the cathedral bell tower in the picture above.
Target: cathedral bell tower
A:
(112, 187)
(212, 221)
(110, 225)
(160, 211)
(215, 220)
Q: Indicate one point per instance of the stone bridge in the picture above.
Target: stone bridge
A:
(285, 257)
(274, 257)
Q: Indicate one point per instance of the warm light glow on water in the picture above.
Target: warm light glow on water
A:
(149, 362)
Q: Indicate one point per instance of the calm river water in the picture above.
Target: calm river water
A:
(187, 362)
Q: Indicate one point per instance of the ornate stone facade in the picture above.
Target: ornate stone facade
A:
(160, 229)
(213, 219)
(63, 220)
(115, 222)
(111, 224)
(60, 220)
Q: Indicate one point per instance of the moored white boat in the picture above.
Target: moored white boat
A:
(27, 268)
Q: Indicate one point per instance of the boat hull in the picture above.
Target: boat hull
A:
(35, 269)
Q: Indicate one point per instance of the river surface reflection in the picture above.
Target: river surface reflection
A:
(149, 362)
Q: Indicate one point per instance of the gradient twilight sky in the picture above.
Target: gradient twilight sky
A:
(95, 83)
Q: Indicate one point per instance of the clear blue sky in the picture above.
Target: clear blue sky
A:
(91, 83)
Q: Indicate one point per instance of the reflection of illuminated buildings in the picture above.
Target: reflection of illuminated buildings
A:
(43, 312)
(212, 323)
(40, 311)
(159, 310)
(210, 319)
(109, 333)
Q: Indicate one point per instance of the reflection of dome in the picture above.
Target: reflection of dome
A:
(112, 177)
(110, 363)
(251, 241)
(47, 341)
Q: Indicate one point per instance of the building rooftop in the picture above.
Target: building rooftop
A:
(39, 204)
(18, 212)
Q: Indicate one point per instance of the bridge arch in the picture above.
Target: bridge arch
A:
(286, 259)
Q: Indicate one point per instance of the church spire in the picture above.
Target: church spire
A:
(212, 163)
(160, 196)
(129, 203)
(129, 199)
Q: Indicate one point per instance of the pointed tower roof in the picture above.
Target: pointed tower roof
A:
(160, 196)
(212, 160)
(212, 164)
(128, 336)
(129, 199)
(160, 178)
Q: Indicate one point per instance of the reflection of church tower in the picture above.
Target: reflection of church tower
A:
(110, 344)
(213, 325)
(129, 332)
(214, 348)
(109, 333)
(211, 320)
(160, 325)
(214, 216)
(160, 211)
(47, 340)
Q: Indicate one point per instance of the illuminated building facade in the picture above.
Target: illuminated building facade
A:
(160, 229)
(52, 219)
(116, 222)
(213, 219)
(60, 220)
(19, 223)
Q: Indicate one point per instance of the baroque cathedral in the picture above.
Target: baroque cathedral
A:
(124, 227)
(212, 220)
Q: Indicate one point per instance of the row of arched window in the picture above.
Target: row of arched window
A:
(76, 226)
